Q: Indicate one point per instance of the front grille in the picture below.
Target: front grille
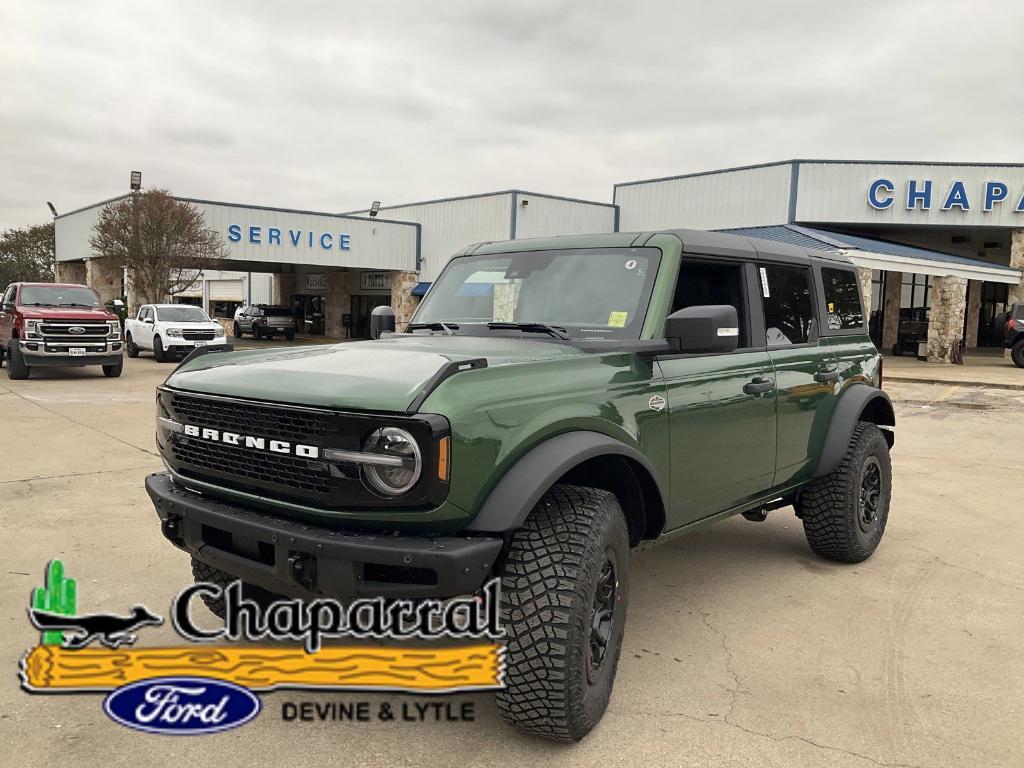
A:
(61, 332)
(291, 476)
(269, 421)
(197, 335)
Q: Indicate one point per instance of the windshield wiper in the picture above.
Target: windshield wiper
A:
(556, 331)
(449, 327)
(74, 304)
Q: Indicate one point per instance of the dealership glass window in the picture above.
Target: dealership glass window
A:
(915, 293)
(788, 310)
(224, 308)
(842, 298)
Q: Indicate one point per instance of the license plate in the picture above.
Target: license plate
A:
(280, 329)
(76, 351)
(200, 343)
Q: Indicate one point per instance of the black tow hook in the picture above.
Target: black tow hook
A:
(302, 570)
(171, 527)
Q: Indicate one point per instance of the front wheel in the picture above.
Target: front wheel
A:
(158, 350)
(257, 333)
(130, 348)
(844, 513)
(237, 331)
(1017, 354)
(16, 368)
(563, 608)
(897, 349)
(290, 336)
(113, 371)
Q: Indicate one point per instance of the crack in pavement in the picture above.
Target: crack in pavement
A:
(78, 474)
(765, 735)
(937, 559)
(30, 401)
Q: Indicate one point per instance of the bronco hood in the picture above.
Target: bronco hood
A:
(384, 375)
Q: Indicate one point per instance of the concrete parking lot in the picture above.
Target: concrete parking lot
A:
(742, 648)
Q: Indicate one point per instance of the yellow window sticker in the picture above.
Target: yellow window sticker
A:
(617, 319)
(831, 307)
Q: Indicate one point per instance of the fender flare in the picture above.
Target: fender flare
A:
(853, 403)
(522, 486)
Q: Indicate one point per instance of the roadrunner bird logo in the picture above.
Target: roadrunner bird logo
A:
(110, 629)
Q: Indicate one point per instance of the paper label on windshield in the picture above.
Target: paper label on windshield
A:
(617, 319)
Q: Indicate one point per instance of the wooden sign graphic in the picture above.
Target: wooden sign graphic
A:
(50, 668)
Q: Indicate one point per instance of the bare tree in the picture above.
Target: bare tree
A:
(163, 242)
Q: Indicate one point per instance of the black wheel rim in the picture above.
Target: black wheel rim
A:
(602, 616)
(869, 503)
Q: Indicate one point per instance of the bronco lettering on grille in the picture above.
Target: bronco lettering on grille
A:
(248, 441)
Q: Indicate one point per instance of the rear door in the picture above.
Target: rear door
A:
(721, 406)
(805, 368)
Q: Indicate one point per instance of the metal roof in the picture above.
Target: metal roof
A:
(825, 240)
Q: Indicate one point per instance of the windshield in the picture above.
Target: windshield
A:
(276, 311)
(182, 314)
(58, 296)
(595, 293)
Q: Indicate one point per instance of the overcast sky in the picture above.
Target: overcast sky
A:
(330, 105)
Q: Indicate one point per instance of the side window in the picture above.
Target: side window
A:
(788, 310)
(842, 299)
(8, 295)
(705, 282)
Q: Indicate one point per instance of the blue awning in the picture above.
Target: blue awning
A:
(420, 289)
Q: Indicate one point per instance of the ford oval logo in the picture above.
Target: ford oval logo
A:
(76, 329)
(182, 705)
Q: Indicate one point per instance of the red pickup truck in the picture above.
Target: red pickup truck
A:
(57, 324)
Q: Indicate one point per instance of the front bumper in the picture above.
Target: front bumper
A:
(304, 560)
(41, 354)
(173, 343)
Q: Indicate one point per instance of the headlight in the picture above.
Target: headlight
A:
(115, 329)
(32, 328)
(396, 443)
(176, 332)
(218, 332)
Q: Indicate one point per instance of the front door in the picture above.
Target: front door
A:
(721, 407)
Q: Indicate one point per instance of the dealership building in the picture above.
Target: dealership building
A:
(939, 246)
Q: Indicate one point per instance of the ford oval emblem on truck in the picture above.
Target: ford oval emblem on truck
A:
(182, 705)
(76, 329)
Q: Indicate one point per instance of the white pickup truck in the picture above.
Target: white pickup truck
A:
(170, 330)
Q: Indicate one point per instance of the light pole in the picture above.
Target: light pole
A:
(135, 184)
(53, 212)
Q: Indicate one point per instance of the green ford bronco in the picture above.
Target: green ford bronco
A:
(553, 405)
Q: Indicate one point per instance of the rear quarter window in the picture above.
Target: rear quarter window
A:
(842, 299)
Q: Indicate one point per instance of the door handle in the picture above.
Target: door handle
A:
(827, 376)
(758, 386)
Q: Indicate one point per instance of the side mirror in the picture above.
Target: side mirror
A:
(148, 320)
(382, 320)
(117, 303)
(708, 328)
(8, 306)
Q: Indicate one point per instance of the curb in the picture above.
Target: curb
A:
(981, 384)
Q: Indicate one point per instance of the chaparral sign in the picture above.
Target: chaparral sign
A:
(922, 194)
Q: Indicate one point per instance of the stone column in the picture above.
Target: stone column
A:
(337, 302)
(946, 323)
(1017, 262)
(103, 275)
(864, 278)
(70, 272)
(402, 300)
(973, 312)
(891, 310)
(284, 287)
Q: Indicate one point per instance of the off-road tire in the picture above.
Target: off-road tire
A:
(1017, 354)
(237, 331)
(203, 572)
(113, 371)
(549, 581)
(831, 507)
(129, 346)
(158, 350)
(17, 370)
